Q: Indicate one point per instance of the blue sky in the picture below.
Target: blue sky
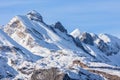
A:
(97, 16)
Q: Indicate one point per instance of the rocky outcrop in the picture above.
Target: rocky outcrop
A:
(87, 38)
(49, 74)
(102, 46)
(106, 75)
(78, 42)
(60, 27)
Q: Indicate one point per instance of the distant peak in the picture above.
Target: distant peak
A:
(34, 15)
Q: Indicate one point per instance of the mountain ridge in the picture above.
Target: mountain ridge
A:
(48, 47)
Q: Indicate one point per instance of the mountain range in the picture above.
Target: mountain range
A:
(30, 49)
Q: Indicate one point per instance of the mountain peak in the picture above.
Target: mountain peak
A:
(76, 33)
(59, 26)
(34, 15)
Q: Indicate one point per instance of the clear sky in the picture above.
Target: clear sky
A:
(97, 16)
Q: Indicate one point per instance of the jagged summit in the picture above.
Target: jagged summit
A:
(106, 43)
(59, 26)
(34, 15)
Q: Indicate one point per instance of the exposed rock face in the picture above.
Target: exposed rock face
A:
(78, 42)
(87, 38)
(109, 50)
(47, 74)
(59, 26)
(111, 43)
(33, 15)
(103, 46)
(104, 42)
(56, 74)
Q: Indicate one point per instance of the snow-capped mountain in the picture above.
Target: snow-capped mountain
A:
(106, 43)
(30, 49)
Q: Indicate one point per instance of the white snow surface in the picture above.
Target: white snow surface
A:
(76, 33)
(31, 45)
